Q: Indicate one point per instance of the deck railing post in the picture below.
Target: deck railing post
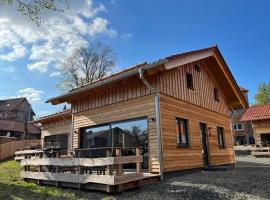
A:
(118, 167)
(138, 164)
(109, 167)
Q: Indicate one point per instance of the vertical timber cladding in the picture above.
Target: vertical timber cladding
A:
(173, 83)
(57, 126)
(260, 127)
(178, 158)
(139, 107)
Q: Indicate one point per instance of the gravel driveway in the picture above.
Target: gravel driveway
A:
(249, 180)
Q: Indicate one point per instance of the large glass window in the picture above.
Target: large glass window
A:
(61, 138)
(125, 134)
(95, 137)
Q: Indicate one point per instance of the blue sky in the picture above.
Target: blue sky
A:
(137, 31)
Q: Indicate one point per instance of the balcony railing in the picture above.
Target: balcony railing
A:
(79, 170)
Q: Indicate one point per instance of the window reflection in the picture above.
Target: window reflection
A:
(125, 134)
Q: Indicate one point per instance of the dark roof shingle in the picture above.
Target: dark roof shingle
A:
(10, 104)
(7, 125)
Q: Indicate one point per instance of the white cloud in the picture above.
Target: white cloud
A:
(90, 10)
(10, 44)
(33, 95)
(100, 25)
(55, 74)
(41, 66)
(48, 45)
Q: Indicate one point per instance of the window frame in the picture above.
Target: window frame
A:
(189, 81)
(110, 124)
(236, 127)
(221, 145)
(179, 138)
(216, 94)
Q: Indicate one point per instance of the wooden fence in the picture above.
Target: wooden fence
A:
(5, 139)
(260, 151)
(8, 149)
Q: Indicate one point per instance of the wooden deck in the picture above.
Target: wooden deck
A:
(106, 174)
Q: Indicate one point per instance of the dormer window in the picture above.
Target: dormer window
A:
(197, 68)
(189, 81)
(216, 94)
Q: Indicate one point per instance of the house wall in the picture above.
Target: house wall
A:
(135, 108)
(22, 113)
(260, 127)
(129, 98)
(179, 158)
(247, 128)
(57, 126)
(171, 82)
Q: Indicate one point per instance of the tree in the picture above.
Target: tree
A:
(86, 65)
(263, 94)
(32, 8)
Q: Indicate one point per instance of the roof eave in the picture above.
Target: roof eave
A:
(63, 98)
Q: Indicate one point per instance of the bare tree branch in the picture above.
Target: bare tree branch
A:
(86, 65)
(32, 8)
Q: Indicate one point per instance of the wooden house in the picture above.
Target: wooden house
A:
(175, 112)
(259, 115)
(56, 128)
(17, 109)
(183, 102)
(242, 130)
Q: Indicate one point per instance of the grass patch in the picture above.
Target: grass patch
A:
(12, 187)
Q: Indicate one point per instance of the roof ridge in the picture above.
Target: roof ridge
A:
(259, 105)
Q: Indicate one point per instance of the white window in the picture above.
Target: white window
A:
(238, 127)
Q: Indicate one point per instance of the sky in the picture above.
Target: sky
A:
(137, 31)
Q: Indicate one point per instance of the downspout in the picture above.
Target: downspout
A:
(153, 90)
(232, 131)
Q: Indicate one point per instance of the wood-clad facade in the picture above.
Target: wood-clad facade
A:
(136, 108)
(208, 101)
(261, 131)
(55, 125)
(178, 158)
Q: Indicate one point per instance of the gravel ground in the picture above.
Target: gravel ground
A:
(249, 180)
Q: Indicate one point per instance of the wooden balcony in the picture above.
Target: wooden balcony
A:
(106, 173)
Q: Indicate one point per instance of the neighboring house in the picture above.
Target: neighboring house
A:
(15, 115)
(56, 128)
(17, 109)
(181, 103)
(243, 132)
(18, 130)
(259, 116)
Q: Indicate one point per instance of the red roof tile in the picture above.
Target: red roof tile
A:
(258, 112)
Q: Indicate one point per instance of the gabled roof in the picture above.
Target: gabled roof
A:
(7, 125)
(243, 89)
(7, 105)
(62, 114)
(258, 112)
(10, 104)
(237, 99)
